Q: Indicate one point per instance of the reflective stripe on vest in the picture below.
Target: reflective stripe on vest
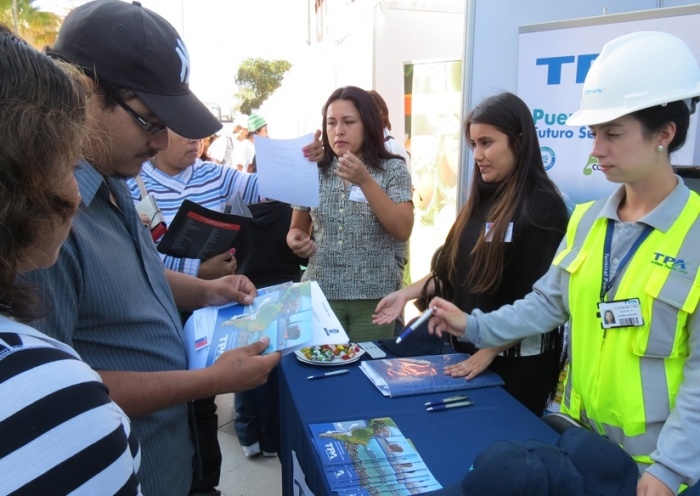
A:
(624, 382)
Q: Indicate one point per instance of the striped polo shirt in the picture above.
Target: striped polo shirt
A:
(205, 183)
(59, 431)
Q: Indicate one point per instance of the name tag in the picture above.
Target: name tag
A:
(620, 313)
(506, 239)
(357, 195)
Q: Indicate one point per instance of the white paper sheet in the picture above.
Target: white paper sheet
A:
(284, 173)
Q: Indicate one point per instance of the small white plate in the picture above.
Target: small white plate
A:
(331, 363)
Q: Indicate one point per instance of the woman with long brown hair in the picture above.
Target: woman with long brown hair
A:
(635, 253)
(503, 240)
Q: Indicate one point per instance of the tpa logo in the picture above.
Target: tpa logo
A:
(331, 453)
(555, 64)
(672, 263)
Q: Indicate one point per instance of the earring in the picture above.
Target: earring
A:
(660, 148)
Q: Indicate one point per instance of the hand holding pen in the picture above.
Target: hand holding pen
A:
(449, 319)
(411, 327)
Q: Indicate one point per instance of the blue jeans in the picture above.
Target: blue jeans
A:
(257, 415)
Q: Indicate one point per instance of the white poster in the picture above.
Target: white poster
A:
(552, 65)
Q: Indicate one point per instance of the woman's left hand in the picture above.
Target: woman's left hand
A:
(351, 169)
(474, 365)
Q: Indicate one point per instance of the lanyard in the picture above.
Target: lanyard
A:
(607, 247)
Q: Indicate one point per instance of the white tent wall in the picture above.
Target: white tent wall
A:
(409, 35)
(343, 58)
(367, 46)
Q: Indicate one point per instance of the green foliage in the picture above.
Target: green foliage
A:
(257, 79)
(37, 27)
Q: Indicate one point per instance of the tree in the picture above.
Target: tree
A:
(257, 79)
(37, 27)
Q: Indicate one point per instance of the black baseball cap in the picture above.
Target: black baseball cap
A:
(129, 46)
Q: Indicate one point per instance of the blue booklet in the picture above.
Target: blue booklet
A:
(408, 376)
(370, 457)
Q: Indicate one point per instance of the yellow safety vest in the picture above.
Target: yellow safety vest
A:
(624, 381)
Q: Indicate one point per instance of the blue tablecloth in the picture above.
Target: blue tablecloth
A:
(448, 441)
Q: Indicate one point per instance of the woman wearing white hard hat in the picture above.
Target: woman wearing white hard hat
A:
(637, 254)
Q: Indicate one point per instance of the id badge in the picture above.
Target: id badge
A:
(356, 194)
(620, 313)
(506, 239)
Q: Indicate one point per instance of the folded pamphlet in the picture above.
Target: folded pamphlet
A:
(201, 233)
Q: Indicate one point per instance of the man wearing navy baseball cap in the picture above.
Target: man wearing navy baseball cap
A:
(109, 295)
(131, 47)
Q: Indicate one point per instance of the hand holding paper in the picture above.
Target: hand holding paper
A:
(284, 173)
(290, 315)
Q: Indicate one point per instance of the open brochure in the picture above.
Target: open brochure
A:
(198, 232)
(370, 457)
(292, 315)
(408, 376)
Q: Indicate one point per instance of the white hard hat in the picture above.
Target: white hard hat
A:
(634, 72)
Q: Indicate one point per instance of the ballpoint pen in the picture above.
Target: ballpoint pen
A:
(328, 374)
(409, 328)
(445, 406)
(443, 401)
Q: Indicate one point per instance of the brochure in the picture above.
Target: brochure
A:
(292, 315)
(408, 376)
(370, 457)
(198, 232)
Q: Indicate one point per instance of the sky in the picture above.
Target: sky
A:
(219, 34)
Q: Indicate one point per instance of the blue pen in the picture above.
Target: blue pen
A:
(443, 401)
(328, 374)
(409, 329)
(445, 406)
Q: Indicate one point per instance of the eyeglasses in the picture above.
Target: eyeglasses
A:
(147, 126)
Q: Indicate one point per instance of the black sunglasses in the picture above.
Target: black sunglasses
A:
(149, 127)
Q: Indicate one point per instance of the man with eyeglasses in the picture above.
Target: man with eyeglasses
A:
(108, 295)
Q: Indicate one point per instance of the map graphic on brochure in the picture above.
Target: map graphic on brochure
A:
(292, 315)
